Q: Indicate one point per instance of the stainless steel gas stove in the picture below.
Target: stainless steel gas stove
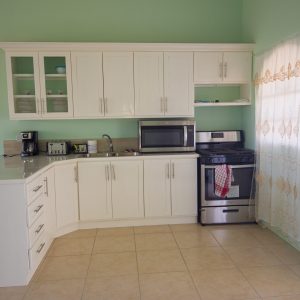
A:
(218, 148)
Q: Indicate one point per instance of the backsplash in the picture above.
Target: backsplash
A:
(12, 147)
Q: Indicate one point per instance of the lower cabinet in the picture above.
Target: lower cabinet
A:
(110, 190)
(66, 189)
(170, 187)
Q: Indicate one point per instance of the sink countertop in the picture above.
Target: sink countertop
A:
(20, 169)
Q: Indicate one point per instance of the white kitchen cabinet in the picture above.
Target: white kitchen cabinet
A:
(178, 84)
(157, 188)
(66, 194)
(148, 83)
(87, 79)
(183, 173)
(127, 188)
(163, 84)
(35, 89)
(170, 187)
(50, 206)
(94, 191)
(118, 84)
(230, 67)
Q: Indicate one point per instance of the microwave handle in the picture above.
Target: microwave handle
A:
(185, 136)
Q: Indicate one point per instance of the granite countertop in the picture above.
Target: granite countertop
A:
(19, 168)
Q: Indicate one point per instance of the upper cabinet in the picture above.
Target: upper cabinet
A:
(163, 84)
(232, 67)
(39, 85)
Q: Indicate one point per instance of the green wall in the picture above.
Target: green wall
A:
(266, 22)
(197, 21)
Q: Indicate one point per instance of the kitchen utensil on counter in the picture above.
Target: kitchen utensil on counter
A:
(58, 148)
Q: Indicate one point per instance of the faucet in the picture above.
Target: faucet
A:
(111, 147)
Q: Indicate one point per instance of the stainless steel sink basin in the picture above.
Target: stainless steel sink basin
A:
(110, 154)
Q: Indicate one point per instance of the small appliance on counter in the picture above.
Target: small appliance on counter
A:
(29, 141)
(58, 148)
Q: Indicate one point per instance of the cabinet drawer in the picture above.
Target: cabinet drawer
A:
(37, 252)
(34, 189)
(35, 209)
(36, 229)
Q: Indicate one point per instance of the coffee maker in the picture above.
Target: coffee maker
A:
(29, 140)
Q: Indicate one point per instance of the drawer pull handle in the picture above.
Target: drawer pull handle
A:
(39, 229)
(37, 188)
(230, 210)
(38, 208)
(40, 248)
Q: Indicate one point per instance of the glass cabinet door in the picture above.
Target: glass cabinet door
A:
(56, 89)
(23, 85)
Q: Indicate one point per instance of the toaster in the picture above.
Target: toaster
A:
(58, 148)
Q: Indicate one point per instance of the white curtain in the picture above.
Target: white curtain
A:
(277, 92)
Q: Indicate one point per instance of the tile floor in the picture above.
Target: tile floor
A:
(176, 262)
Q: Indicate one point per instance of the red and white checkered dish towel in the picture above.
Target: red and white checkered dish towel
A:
(223, 177)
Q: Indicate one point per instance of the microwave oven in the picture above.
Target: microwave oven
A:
(167, 136)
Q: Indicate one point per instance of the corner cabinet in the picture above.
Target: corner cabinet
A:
(35, 89)
(163, 84)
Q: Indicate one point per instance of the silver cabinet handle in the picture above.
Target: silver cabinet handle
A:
(105, 105)
(37, 188)
(166, 104)
(46, 186)
(107, 172)
(168, 170)
(40, 248)
(75, 174)
(220, 70)
(113, 174)
(101, 105)
(225, 69)
(173, 170)
(39, 228)
(38, 208)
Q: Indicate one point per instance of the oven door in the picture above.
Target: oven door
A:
(241, 191)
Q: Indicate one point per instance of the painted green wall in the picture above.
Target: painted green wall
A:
(267, 22)
(211, 21)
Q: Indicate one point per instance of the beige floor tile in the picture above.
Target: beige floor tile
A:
(252, 256)
(223, 285)
(156, 261)
(296, 269)
(187, 227)
(286, 253)
(114, 244)
(241, 238)
(167, 286)
(64, 267)
(152, 229)
(112, 288)
(195, 239)
(113, 264)
(12, 293)
(58, 290)
(155, 241)
(273, 281)
(206, 258)
(267, 237)
(115, 231)
(62, 247)
(294, 297)
(232, 227)
(82, 233)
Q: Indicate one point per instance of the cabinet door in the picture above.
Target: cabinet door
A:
(56, 85)
(178, 83)
(23, 85)
(157, 188)
(94, 191)
(127, 189)
(50, 210)
(87, 81)
(66, 194)
(237, 67)
(208, 67)
(184, 187)
(148, 83)
(118, 83)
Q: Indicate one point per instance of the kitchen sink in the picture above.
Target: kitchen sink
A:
(110, 154)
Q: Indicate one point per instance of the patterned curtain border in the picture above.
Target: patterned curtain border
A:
(282, 75)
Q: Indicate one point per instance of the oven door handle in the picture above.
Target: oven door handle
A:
(232, 166)
(185, 135)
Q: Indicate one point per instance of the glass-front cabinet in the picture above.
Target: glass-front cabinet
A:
(39, 85)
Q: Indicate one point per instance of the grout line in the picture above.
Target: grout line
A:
(137, 266)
